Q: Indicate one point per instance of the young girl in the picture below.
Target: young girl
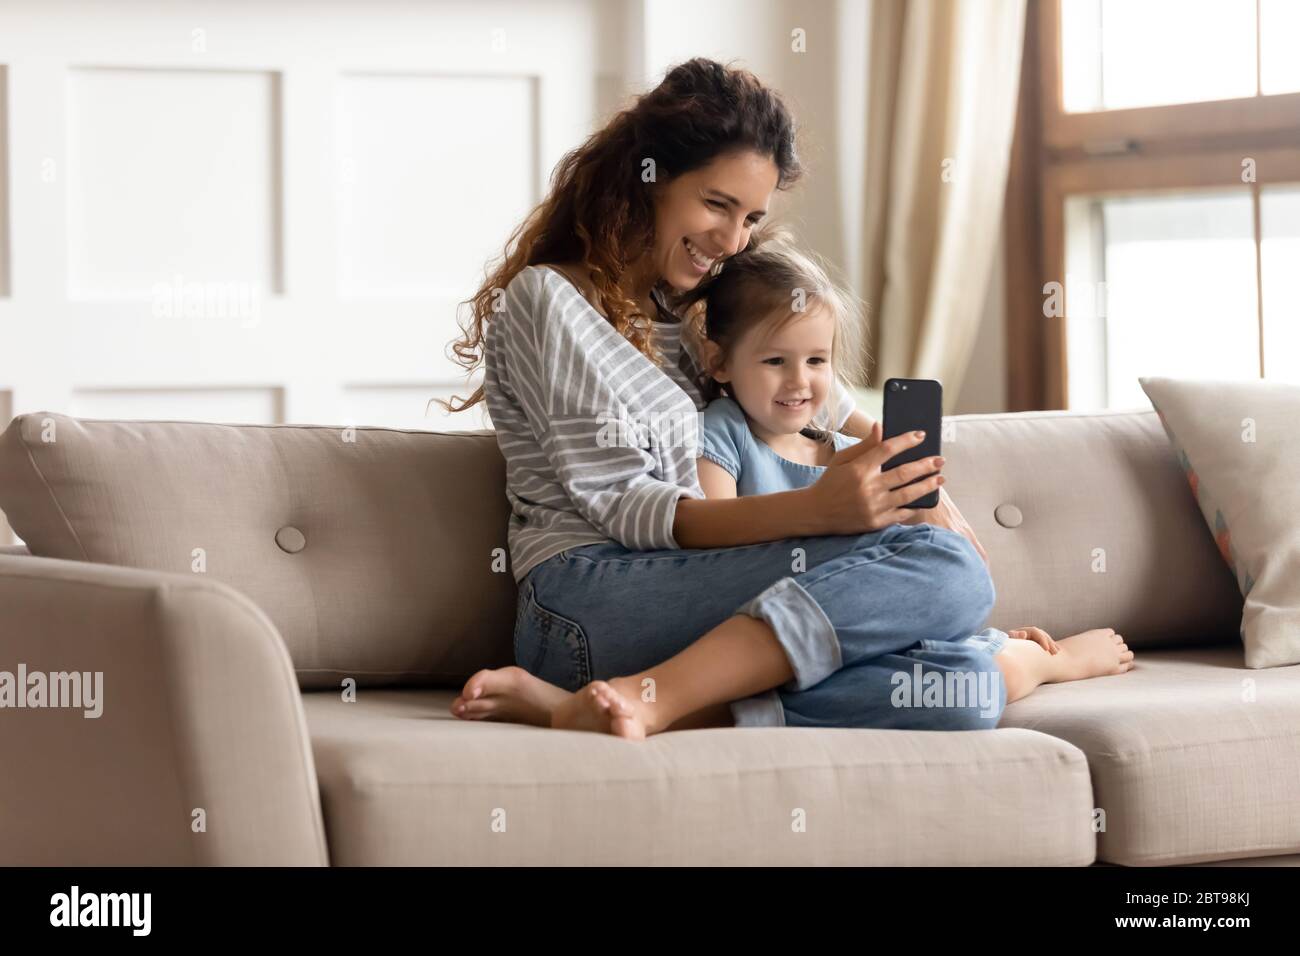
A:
(776, 333)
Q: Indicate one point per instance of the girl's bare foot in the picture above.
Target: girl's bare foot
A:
(1036, 659)
(510, 694)
(603, 708)
(1093, 653)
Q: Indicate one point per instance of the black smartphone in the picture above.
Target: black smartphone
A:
(914, 404)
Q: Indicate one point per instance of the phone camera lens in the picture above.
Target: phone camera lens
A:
(893, 386)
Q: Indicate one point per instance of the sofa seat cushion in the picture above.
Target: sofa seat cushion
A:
(404, 783)
(1194, 757)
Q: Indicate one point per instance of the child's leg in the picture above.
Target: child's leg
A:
(738, 658)
(859, 598)
(1024, 667)
(1025, 664)
(718, 715)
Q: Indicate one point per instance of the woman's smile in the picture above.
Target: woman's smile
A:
(698, 259)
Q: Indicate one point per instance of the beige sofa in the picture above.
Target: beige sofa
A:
(238, 586)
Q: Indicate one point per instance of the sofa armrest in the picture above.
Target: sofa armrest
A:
(182, 741)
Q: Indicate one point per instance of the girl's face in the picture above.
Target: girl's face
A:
(782, 378)
(706, 215)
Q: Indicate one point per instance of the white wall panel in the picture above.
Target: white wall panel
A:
(257, 406)
(247, 212)
(4, 180)
(404, 406)
(434, 173)
(171, 173)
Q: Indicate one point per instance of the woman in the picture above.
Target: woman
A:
(637, 595)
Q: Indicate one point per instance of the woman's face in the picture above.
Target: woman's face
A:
(706, 215)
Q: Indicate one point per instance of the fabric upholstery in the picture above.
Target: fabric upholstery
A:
(199, 752)
(1194, 757)
(1237, 447)
(405, 783)
(397, 580)
(1099, 529)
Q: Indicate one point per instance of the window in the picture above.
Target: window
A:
(1162, 145)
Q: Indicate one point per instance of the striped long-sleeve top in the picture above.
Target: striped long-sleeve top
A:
(600, 443)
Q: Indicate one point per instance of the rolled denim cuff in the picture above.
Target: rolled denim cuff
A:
(997, 639)
(802, 629)
(761, 710)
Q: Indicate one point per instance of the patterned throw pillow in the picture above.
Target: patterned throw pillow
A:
(1237, 445)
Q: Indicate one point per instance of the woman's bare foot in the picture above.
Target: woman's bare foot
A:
(509, 694)
(604, 708)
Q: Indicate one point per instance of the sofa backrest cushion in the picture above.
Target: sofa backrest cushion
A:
(382, 558)
(1088, 522)
(371, 549)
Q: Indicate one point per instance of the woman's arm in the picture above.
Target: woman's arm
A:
(564, 391)
(851, 497)
(729, 525)
(730, 522)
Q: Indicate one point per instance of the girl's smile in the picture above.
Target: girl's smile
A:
(779, 372)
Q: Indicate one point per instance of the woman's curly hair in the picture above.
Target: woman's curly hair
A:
(600, 211)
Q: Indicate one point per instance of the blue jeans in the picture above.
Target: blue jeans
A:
(880, 628)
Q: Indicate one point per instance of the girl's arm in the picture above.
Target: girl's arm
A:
(714, 479)
(858, 425)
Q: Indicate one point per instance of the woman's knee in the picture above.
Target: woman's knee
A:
(964, 580)
(934, 567)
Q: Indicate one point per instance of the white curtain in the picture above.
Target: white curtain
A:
(943, 78)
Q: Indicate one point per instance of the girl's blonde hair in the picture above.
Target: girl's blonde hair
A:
(773, 277)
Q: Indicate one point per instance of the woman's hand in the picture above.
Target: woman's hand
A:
(853, 496)
(942, 515)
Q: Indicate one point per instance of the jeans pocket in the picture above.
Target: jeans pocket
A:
(549, 645)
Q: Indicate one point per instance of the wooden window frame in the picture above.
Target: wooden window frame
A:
(1056, 155)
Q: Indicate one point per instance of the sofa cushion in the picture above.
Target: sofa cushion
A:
(1193, 756)
(1087, 522)
(371, 549)
(1236, 444)
(405, 783)
(400, 576)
